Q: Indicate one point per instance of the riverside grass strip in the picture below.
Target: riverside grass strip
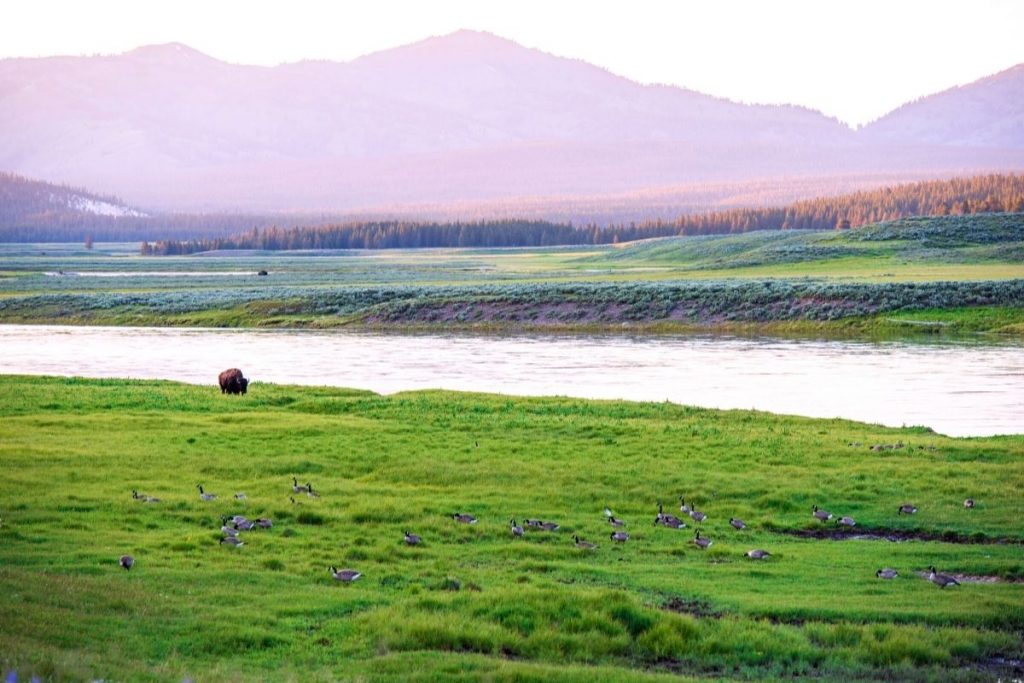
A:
(472, 601)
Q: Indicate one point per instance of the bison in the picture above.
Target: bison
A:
(232, 382)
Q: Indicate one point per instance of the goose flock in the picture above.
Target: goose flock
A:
(233, 526)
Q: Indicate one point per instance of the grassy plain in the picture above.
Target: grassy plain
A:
(472, 602)
(868, 272)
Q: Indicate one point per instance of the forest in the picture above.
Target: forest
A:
(959, 196)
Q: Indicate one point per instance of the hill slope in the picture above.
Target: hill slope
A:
(464, 117)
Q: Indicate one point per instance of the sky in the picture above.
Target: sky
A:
(852, 59)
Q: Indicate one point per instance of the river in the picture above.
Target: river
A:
(959, 389)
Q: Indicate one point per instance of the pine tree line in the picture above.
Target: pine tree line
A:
(979, 194)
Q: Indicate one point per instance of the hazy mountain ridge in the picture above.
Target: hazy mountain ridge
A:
(464, 117)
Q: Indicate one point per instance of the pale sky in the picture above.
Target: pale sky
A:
(852, 59)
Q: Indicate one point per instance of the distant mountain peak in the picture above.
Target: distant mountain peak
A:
(168, 52)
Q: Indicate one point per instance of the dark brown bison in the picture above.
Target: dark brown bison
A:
(232, 382)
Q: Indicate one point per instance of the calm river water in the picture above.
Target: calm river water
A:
(960, 389)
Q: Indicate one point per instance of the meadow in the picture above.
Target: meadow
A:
(945, 274)
(473, 602)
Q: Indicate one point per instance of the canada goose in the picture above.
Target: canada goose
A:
(616, 522)
(532, 523)
(245, 525)
(907, 509)
(127, 561)
(550, 526)
(238, 519)
(701, 543)
(310, 492)
(143, 497)
(229, 531)
(619, 536)
(683, 507)
(233, 541)
(346, 575)
(239, 496)
(887, 573)
(464, 518)
(298, 489)
(758, 554)
(203, 495)
(671, 521)
(697, 515)
(820, 515)
(516, 529)
(969, 503)
(846, 521)
(584, 545)
(737, 524)
(264, 523)
(941, 580)
(411, 538)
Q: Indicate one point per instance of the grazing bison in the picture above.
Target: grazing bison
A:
(232, 382)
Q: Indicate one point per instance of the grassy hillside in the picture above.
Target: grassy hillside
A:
(969, 268)
(472, 601)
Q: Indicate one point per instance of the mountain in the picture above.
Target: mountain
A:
(986, 113)
(467, 117)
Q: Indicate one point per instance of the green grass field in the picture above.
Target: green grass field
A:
(502, 289)
(472, 602)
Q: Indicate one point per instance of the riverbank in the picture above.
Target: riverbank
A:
(473, 600)
(745, 307)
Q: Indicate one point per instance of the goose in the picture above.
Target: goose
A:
(298, 489)
(941, 580)
(229, 531)
(411, 538)
(683, 507)
(233, 541)
(616, 522)
(516, 529)
(697, 515)
(619, 536)
(203, 495)
(820, 515)
(758, 554)
(887, 573)
(671, 521)
(150, 499)
(550, 526)
(584, 545)
(532, 523)
(701, 543)
(239, 496)
(346, 575)
(264, 523)
(238, 519)
(667, 520)
(127, 561)
(907, 509)
(464, 518)
(969, 503)
(245, 525)
(846, 521)
(737, 524)
(310, 492)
